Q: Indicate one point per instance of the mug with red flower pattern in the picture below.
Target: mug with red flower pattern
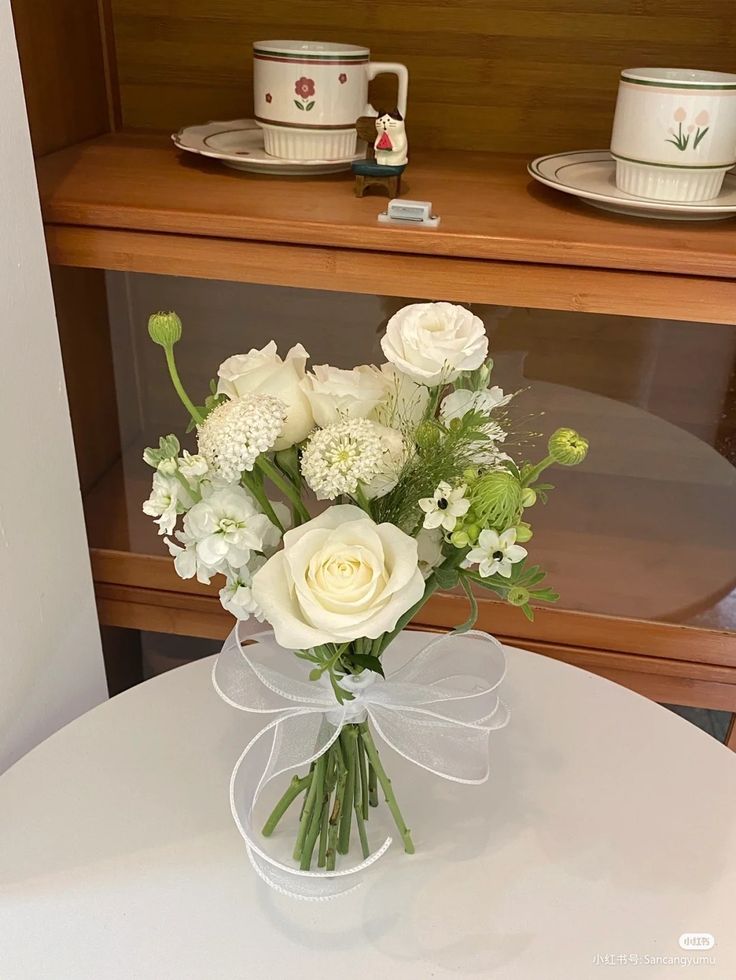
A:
(308, 95)
(674, 132)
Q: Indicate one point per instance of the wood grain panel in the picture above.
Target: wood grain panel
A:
(454, 280)
(61, 56)
(528, 76)
(490, 209)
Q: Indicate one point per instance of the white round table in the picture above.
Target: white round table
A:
(606, 831)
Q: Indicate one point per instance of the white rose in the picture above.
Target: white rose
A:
(434, 342)
(462, 401)
(265, 372)
(339, 577)
(406, 402)
(335, 394)
(393, 459)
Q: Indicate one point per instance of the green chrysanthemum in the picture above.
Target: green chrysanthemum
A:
(496, 500)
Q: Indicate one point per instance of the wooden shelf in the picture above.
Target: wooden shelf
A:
(490, 208)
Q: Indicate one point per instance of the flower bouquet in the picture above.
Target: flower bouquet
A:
(414, 461)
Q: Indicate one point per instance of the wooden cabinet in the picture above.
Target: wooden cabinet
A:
(624, 327)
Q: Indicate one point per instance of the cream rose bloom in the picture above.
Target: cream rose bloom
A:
(336, 394)
(265, 372)
(434, 342)
(338, 577)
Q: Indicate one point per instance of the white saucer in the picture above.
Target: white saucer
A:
(238, 143)
(590, 176)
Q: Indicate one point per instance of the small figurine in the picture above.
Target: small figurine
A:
(387, 158)
(390, 146)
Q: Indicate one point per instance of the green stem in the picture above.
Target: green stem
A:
(372, 785)
(332, 831)
(348, 739)
(315, 820)
(536, 471)
(285, 486)
(251, 481)
(363, 767)
(296, 786)
(306, 819)
(364, 845)
(362, 501)
(386, 787)
(179, 387)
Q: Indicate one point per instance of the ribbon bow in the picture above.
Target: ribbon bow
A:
(437, 721)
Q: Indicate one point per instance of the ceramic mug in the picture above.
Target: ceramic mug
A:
(308, 95)
(674, 132)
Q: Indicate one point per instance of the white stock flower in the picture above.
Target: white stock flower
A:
(434, 342)
(393, 456)
(339, 457)
(461, 401)
(263, 371)
(236, 596)
(406, 402)
(235, 433)
(338, 577)
(336, 395)
(429, 547)
(168, 498)
(444, 508)
(496, 553)
(192, 468)
(186, 562)
(226, 527)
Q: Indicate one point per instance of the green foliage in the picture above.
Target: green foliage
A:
(443, 459)
(168, 448)
(520, 589)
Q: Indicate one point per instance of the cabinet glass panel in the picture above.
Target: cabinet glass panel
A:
(644, 529)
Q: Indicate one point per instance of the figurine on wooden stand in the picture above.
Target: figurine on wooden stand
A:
(387, 158)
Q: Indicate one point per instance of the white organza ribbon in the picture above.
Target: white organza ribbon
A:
(437, 721)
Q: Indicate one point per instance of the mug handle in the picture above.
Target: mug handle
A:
(392, 68)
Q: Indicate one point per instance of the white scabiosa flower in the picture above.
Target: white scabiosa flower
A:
(444, 508)
(235, 433)
(336, 459)
(496, 553)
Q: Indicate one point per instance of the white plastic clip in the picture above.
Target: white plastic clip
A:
(405, 213)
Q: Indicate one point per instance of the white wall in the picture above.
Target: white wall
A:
(51, 667)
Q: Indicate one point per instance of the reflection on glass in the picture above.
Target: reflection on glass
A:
(645, 529)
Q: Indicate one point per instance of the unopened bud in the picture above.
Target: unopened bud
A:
(528, 497)
(164, 328)
(567, 447)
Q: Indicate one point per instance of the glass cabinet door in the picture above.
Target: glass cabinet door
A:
(643, 530)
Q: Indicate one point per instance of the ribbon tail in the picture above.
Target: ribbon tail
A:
(276, 749)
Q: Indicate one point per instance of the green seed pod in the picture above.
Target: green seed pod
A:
(473, 531)
(567, 447)
(460, 539)
(164, 329)
(528, 497)
(523, 533)
(496, 499)
(518, 596)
